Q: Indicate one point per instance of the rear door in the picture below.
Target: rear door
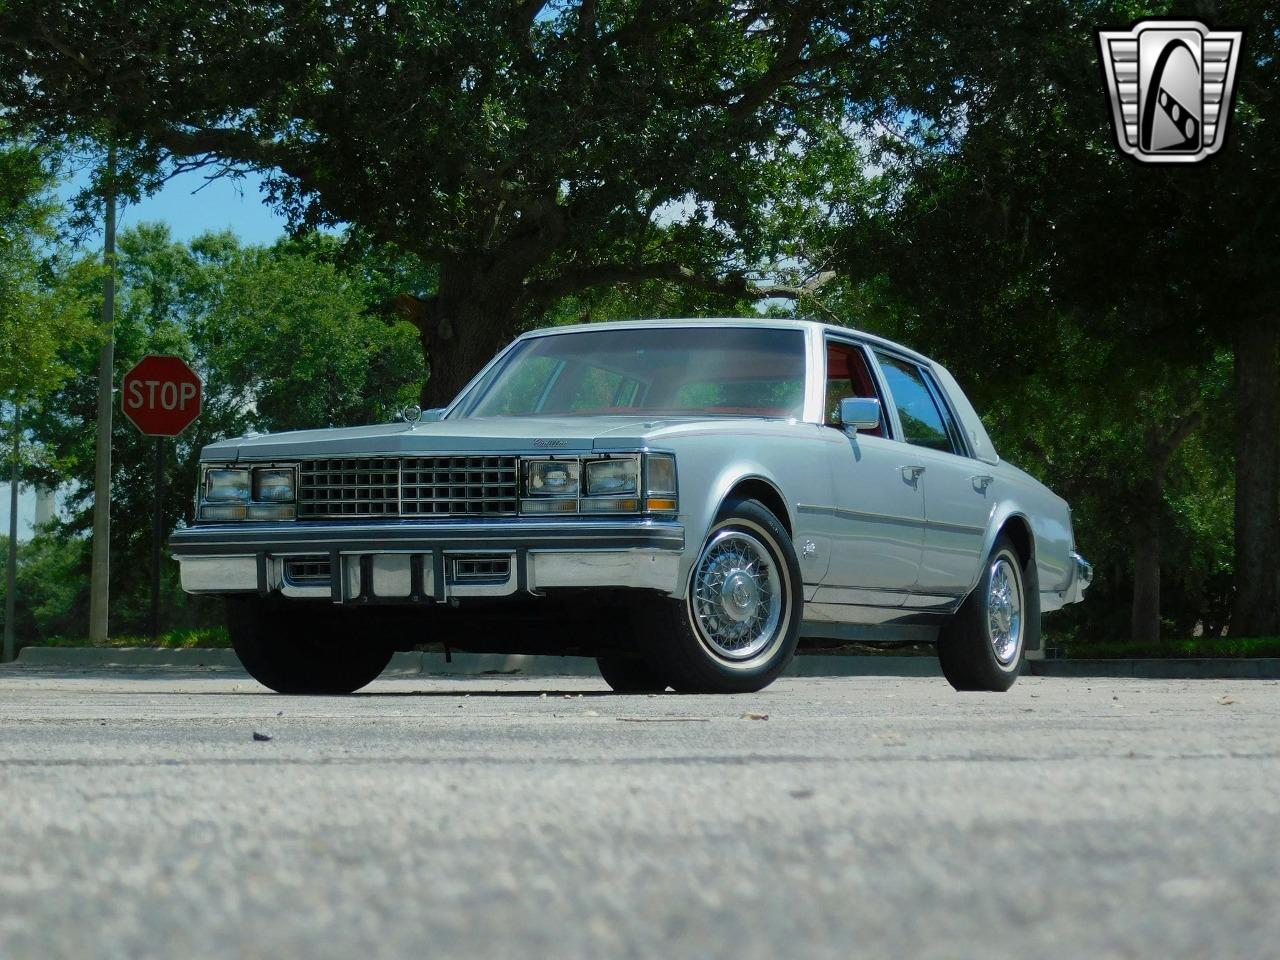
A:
(877, 521)
(957, 489)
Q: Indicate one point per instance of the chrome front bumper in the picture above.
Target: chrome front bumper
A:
(1081, 578)
(421, 561)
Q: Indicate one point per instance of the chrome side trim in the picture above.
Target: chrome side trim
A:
(816, 510)
(844, 613)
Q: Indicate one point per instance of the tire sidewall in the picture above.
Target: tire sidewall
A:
(753, 518)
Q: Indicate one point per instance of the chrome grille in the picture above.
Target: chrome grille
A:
(432, 486)
(409, 487)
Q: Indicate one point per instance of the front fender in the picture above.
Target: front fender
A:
(788, 465)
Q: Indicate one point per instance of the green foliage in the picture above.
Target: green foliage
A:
(1086, 302)
(524, 152)
(284, 337)
(42, 306)
(52, 595)
(202, 637)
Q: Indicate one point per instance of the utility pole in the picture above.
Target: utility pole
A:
(11, 591)
(157, 539)
(100, 572)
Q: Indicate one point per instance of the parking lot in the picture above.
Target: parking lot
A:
(504, 817)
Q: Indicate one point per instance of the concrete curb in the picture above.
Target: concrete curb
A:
(1208, 668)
(434, 664)
(810, 665)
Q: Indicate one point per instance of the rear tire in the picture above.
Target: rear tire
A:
(630, 675)
(301, 647)
(737, 627)
(981, 646)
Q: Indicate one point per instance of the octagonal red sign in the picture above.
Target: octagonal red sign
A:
(161, 395)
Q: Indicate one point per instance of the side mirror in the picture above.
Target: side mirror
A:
(859, 413)
(432, 414)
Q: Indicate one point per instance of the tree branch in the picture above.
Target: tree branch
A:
(735, 284)
(227, 142)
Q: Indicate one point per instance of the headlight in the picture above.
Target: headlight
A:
(551, 478)
(273, 484)
(226, 486)
(260, 493)
(612, 478)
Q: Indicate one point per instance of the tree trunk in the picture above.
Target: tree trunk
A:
(1145, 615)
(1257, 526)
(461, 327)
(1145, 625)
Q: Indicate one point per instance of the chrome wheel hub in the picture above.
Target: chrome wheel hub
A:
(1004, 610)
(737, 596)
(740, 596)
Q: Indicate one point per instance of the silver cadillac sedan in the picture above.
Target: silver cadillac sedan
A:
(687, 501)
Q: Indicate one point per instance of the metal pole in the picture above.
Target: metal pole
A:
(100, 572)
(11, 591)
(157, 535)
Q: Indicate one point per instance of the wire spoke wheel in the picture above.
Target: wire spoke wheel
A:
(1004, 610)
(737, 597)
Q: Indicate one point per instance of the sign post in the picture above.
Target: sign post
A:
(161, 397)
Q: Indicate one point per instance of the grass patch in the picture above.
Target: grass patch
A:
(1171, 649)
(172, 640)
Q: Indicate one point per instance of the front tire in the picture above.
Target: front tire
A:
(302, 647)
(737, 627)
(981, 647)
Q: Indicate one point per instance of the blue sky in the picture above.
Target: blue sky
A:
(189, 211)
(191, 206)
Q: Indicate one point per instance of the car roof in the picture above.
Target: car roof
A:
(777, 323)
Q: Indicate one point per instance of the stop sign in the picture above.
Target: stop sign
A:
(161, 395)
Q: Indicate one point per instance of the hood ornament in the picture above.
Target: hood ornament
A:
(411, 415)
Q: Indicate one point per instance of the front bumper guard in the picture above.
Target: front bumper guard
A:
(410, 562)
(1081, 578)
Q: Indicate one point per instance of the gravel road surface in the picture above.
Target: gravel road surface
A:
(504, 817)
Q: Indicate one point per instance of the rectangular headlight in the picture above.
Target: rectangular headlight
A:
(612, 478)
(551, 478)
(273, 484)
(247, 493)
(226, 486)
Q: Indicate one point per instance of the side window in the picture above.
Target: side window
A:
(924, 423)
(848, 376)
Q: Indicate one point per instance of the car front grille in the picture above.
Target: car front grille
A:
(394, 487)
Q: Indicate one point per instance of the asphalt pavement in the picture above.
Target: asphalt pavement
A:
(504, 817)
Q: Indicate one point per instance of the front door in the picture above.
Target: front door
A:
(877, 522)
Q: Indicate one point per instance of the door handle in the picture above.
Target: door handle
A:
(981, 482)
(912, 474)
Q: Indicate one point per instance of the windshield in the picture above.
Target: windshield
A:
(658, 371)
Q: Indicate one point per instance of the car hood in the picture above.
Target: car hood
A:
(509, 434)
